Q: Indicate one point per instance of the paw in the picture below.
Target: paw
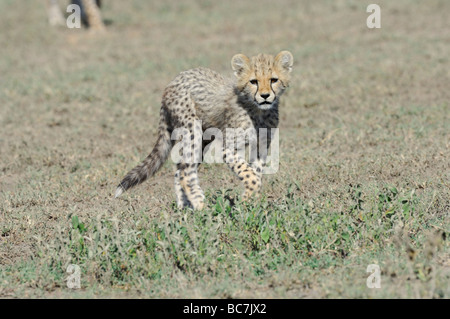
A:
(250, 195)
(198, 205)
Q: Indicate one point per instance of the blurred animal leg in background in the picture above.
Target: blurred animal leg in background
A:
(55, 16)
(90, 13)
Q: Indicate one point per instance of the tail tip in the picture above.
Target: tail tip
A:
(119, 191)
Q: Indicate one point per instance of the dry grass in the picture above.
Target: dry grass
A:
(364, 140)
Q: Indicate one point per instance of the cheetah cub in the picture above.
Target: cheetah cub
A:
(199, 99)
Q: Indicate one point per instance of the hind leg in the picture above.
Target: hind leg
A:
(190, 189)
(187, 185)
(182, 200)
(188, 132)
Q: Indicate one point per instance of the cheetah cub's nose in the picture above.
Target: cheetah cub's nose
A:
(265, 96)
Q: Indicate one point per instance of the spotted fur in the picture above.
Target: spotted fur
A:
(250, 101)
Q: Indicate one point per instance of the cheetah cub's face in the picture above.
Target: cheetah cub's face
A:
(262, 79)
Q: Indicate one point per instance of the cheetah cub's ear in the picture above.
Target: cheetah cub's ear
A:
(240, 64)
(284, 60)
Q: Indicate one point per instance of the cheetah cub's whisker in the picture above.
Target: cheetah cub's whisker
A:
(199, 99)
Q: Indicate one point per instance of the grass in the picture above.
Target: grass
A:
(364, 148)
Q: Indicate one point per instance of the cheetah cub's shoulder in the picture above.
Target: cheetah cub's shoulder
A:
(200, 99)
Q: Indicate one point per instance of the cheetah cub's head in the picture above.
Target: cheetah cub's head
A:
(263, 78)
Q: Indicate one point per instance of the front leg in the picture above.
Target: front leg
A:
(250, 176)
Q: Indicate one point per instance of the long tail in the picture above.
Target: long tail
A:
(152, 162)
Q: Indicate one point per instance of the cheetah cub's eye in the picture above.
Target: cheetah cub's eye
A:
(273, 80)
(254, 82)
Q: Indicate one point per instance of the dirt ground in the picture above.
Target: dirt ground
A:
(364, 141)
